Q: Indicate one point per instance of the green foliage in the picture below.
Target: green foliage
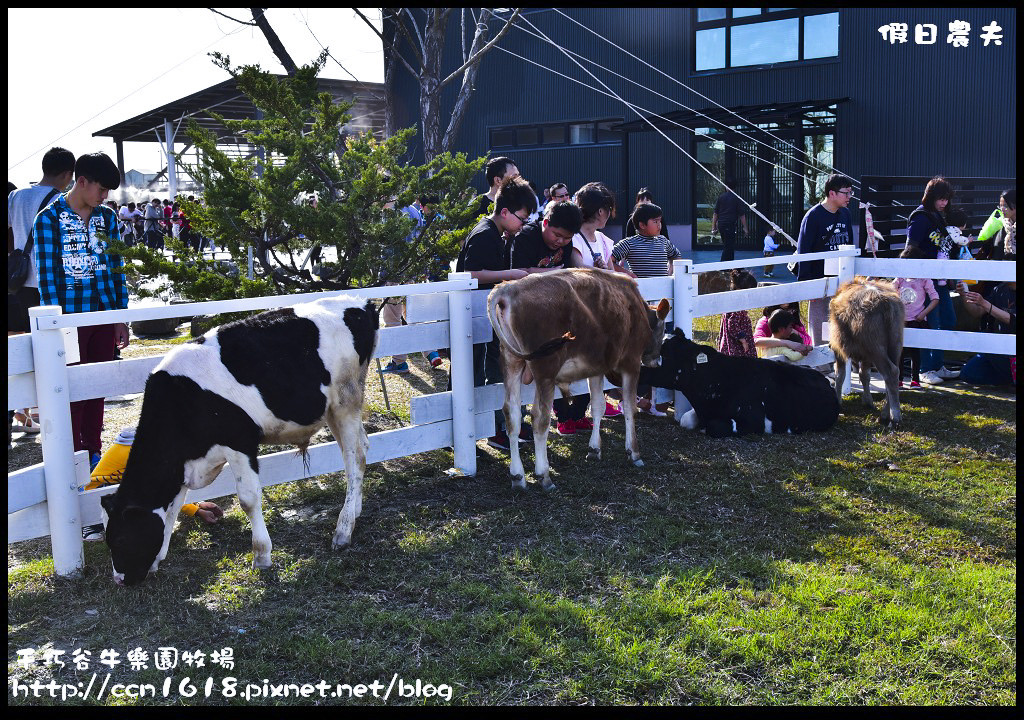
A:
(313, 189)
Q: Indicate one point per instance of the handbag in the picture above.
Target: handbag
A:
(19, 262)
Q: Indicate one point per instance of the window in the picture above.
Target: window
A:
(588, 132)
(747, 37)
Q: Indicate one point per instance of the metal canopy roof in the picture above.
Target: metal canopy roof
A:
(227, 100)
(781, 113)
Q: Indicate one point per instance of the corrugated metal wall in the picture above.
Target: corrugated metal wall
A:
(913, 109)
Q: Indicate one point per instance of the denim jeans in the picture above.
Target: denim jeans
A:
(987, 370)
(941, 318)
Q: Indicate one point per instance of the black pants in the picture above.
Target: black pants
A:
(913, 353)
(18, 305)
(575, 410)
(728, 231)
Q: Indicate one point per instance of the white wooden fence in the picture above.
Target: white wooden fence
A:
(45, 499)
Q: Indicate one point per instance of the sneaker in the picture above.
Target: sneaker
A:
(584, 424)
(435, 359)
(947, 374)
(526, 433)
(931, 378)
(93, 533)
(401, 368)
(567, 427)
(94, 460)
(499, 441)
(913, 384)
(901, 383)
(611, 410)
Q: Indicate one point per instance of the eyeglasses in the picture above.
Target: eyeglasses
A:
(522, 220)
(845, 192)
(563, 196)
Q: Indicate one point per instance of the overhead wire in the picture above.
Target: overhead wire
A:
(118, 102)
(659, 130)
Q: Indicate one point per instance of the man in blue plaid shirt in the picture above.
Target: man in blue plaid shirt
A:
(77, 273)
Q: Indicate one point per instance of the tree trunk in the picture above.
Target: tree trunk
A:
(275, 42)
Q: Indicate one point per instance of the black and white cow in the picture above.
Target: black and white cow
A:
(276, 377)
(738, 395)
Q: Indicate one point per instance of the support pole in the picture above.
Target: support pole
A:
(684, 290)
(53, 395)
(172, 174)
(460, 335)
(845, 271)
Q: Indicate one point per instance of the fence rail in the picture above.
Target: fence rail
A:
(45, 499)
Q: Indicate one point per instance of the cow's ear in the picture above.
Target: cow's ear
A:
(678, 332)
(663, 307)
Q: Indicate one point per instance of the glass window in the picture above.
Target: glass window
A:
(710, 49)
(779, 9)
(527, 136)
(553, 135)
(605, 132)
(764, 43)
(705, 14)
(503, 138)
(745, 12)
(821, 35)
(581, 133)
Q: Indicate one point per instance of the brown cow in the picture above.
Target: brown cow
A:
(567, 325)
(866, 328)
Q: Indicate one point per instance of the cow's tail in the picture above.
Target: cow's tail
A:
(497, 313)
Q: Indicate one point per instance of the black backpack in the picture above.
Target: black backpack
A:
(19, 262)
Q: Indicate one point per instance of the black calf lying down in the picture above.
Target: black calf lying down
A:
(276, 377)
(742, 394)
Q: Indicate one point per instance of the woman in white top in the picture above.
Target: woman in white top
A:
(590, 246)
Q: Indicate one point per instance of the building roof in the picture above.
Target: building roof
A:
(227, 100)
(781, 113)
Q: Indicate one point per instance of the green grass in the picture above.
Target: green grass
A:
(850, 567)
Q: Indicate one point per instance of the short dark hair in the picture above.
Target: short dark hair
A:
(795, 311)
(565, 215)
(644, 194)
(645, 213)
(57, 160)
(554, 187)
(98, 167)
(837, 182)
(131, 206)
(957, 217)
(936, 189)
(592, 197)
(740, 279)
(515, 195)
(780, 319)
(496, 168)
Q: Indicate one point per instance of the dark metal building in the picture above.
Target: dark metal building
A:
(829, 82)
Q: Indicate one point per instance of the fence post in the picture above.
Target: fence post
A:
(847, 271)
(53, 395)
(460, 334)
(684, 290)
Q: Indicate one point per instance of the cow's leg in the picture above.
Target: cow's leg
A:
(172, 515)
(250, 497)
(545, 393)
(513, 410)
(865, 382)
(597, 414)
(890, 372)
(840, 376)
(347, 426)
(630, 380)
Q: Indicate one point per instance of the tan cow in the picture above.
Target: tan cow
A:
(567, 325)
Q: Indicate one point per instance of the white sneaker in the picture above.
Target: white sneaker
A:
(931, 378)
(947, 374)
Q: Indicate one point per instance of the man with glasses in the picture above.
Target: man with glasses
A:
(77, 273)
(486, 257)
(825, 227)
(557, 193)
(497, 171)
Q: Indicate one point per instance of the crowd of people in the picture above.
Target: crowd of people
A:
(516, 234)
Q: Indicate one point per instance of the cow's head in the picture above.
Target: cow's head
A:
(656, 319)
(135, 536)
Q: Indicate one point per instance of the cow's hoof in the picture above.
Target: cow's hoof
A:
(638, 462)
(340, 543)
(519, 483)
(593, 454)
(261, 563)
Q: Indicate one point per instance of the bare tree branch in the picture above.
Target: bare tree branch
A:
(240, 22)
(275, 42)
(476, 56)
(393, 44)
(400, 24)
(416, 29)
